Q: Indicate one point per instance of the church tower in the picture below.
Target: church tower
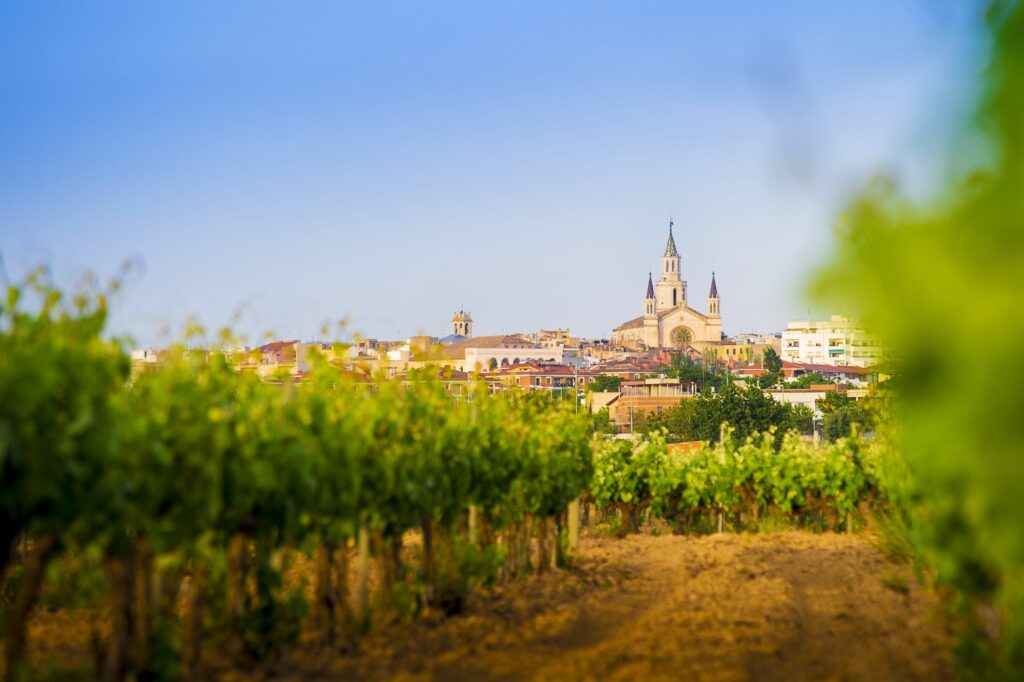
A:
(714, 328)
(650, 336)
(671, 290)
(649, 301)
(462, 324)
(713, 299)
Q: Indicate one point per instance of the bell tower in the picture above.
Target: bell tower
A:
(462, 324)
(713, 300)
(649, 301)
(671, 290)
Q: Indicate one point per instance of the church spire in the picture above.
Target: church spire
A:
(670, 247)
(650, 287)
(714, 309)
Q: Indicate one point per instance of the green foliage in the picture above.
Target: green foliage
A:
(905, 265)
(601, 422)
(57, 422)
(747, 410)
(747, 476)
(605, 382)
(675, 421)
(150, 480)
(807, 380)
(706, 375)
(771, 361)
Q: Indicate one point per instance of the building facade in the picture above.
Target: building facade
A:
(668, 320)
(650, 395)
(837, 341)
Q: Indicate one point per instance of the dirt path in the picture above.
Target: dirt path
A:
(787, 606)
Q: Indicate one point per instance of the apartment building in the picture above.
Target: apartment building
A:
(837, 341)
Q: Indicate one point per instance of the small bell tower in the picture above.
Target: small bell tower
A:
(649, 300)
(462, 324)
(713, 299)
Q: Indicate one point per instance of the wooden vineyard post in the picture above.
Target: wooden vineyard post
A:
(720, 522)
(362, 572)
(342, 613)
(849, 523)
(574, 528)
(474, 524)
(193, 625)
(543, 544)
(555, 538)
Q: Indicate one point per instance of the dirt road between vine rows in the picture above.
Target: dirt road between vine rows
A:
(786, 606)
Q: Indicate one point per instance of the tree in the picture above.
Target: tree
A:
(841, 413)
(690, 372)
(747, 410)
(676, 420)
(808, 380)
(772, 364)
(602, 422)
(605, 382)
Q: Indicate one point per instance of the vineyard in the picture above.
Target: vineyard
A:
(197, 522)
(741, 481)
(182, 500)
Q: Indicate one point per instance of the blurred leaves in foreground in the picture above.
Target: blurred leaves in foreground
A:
(943, 283)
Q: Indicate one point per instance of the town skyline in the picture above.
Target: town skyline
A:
(481, 165)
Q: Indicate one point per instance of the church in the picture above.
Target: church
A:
(668, 321)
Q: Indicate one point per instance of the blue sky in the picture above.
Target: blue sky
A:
(392, 162)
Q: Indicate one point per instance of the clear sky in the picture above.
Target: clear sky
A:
(394, 162)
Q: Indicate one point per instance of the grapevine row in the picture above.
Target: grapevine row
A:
(196, 484)
(734, 478)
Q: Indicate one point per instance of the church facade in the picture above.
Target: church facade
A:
(668, 320)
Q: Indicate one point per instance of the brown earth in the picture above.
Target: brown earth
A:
(786, 606)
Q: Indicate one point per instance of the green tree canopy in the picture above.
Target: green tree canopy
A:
(904, 264)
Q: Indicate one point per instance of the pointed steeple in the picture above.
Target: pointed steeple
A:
(650, 287)
(670, 247)
(714, 287)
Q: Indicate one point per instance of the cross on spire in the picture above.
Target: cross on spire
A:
(670, 247)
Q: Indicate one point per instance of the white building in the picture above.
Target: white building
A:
(483, 359)
(836, 341)
(809, 397)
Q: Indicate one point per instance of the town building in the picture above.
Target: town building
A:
(668, 321)
(809, 397)
(836, 341)
(630, 368)
(650, 395)
(850, 374)
(558, 338)
(743, 349)
(537, 376)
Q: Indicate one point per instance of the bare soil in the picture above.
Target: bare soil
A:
(785, 606)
